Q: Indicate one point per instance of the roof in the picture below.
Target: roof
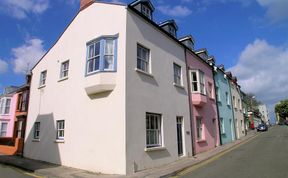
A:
(134, 3)
(168, 22)
(202, 50)
(187, 37)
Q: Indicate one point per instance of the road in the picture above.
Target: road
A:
(265, 156)
(10, 172)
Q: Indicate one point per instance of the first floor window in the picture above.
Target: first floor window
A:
(43, 76)
(143, 55)
(197, 79)
(19, 129)
(36, 130)
(177, 74)
(60, 129)
(153, 130)
(227, 98)
(101, 55)
(64, 69)
(222, 128)
(218, 94)
(3, 129)
(5, 105)
(199, 127)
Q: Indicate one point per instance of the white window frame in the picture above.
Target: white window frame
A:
(93, 57)
(177, 70)
(3, 132)
(36, 133)
(222, 125)
(234, 102)
(218, 94)
(60, 127)
(199, 128)
(142, 60)
(153, 120)
(64, 69)
(4, 106)
(43, 77)
(227, 98)
(200, 83)
(106, 54)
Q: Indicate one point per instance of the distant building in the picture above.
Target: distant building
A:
(264, 113)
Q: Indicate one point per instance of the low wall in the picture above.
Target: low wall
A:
(12, 150)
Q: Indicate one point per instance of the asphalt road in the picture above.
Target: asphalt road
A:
(9, 172)
(265, 156)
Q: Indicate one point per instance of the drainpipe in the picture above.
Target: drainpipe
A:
(214, 74)
(190, 104)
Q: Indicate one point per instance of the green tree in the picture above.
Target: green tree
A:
(251, 101)
(282, 109)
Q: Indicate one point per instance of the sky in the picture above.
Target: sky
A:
(248, 36)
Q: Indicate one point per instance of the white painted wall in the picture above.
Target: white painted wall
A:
(155, 94)
(94, 126)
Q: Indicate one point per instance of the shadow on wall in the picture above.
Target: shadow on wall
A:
(45, 148)
(154, 155)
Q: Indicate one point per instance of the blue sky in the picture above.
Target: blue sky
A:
(248, 36)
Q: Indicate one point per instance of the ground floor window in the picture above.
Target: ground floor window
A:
(36, 130)
(60, 129)
(199, 128)
(153, 130)
(3, 129)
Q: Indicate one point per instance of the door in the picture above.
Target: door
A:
(180, 135)
(214, 127)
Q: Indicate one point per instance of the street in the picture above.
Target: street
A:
(262, 157)
(9, 172)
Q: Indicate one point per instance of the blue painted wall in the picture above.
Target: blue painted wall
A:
(224, 108)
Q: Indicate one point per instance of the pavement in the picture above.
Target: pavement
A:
(44, 169)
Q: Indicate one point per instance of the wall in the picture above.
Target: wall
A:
(94, 125)
(154, 93)
(208, 111)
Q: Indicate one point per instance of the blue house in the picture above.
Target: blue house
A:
(224, 104)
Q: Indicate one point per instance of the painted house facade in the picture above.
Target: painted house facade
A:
(224, 104)
(204, 119)
(264, 113)
(8, 102)
(111, 97)
(237, 106)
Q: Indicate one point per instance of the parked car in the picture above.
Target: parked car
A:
(262, 127)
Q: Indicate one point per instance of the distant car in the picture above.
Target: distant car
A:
(262, 127)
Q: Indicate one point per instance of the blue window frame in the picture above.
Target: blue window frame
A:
(101, 55)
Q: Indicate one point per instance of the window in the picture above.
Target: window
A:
(172, 30)
(227, 98)
(146, 11)
(43, 76)
(153, 130)
(199, 128)
(218, 94)
(36, 130)
(234, 102)
(5, 105)
(177, 74)
(19, 129)
(101, 55)
(210, 90)
(239, 104)
(197, 81)
(222, 128)
(64, 69)
(60, 130)
(3, 129)
(143, 55)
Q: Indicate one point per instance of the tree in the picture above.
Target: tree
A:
(282, 109)
(251, 102)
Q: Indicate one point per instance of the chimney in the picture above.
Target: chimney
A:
(85, 3)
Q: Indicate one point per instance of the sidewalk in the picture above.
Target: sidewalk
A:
(51, 170)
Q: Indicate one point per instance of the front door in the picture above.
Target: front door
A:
(179, 135)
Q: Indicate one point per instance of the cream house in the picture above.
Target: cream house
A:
(110, 95)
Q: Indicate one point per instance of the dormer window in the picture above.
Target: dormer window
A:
(202, 53)
(144, 6)
(188, 41)
(170, 27)
(146, 11)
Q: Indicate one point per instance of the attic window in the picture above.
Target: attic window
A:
(172, 30)
(146, 11)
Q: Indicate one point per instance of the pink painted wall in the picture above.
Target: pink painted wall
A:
(10, 118)
(208, 110)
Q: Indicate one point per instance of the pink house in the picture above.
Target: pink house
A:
(204, 117)
(8, 102)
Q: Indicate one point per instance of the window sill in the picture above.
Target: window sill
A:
(201, 141)
(198, 92)
(41, 86)
(100, 71)
(155, 149)
(179, 86)
(35, 140)
(213, 99)
(59, 141)
(143, 72)
(62, 79)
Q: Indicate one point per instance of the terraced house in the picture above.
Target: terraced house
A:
(111, 97)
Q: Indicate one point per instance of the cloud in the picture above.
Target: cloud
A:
(3, 66)
(176, 11)
(27, 55)
(262, 70)
(20, 9)
(276, 10)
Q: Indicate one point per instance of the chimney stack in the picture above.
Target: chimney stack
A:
(85, 3)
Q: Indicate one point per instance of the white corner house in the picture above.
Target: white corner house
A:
(111, 94)
(264, 113)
